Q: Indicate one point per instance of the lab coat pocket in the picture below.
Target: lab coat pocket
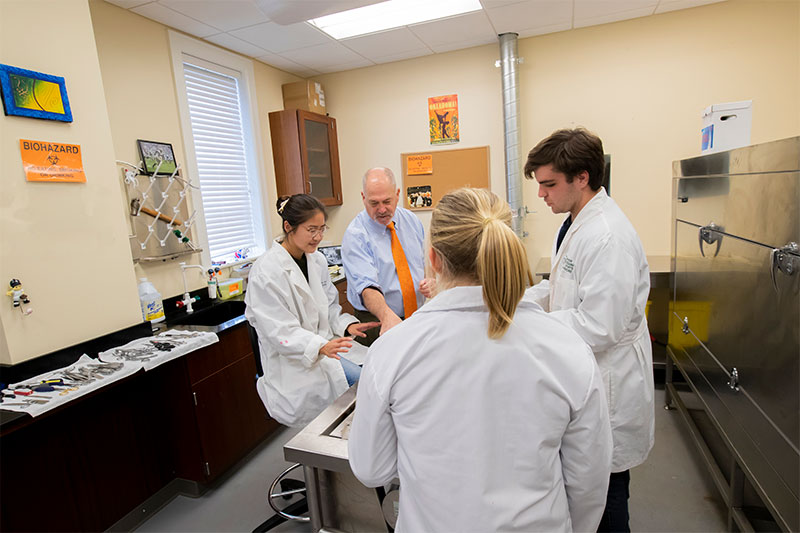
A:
(565, 294)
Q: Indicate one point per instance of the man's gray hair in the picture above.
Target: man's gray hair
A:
(386, 172)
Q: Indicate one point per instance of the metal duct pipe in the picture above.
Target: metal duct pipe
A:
(508, 64)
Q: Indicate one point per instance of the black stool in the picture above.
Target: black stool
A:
(289, 487)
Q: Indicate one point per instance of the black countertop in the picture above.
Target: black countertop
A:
(67, 356)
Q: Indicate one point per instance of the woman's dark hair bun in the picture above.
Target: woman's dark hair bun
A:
(298, 208)
(281, 203)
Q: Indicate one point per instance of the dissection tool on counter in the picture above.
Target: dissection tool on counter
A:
(58, 387)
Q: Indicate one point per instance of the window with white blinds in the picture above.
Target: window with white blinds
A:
(221, 151)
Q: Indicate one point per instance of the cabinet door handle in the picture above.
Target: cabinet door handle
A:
(194, 397)
(786, 260)
(710, 234)
(310, 187)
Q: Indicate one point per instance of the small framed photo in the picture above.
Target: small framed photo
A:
(32, 94)
(158, 157)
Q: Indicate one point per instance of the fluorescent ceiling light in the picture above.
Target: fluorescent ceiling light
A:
(390, 14)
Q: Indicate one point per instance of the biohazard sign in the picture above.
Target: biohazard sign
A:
(54, 162)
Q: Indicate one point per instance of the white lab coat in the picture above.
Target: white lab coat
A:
(485, 435)
(294, 318)
(599, 285)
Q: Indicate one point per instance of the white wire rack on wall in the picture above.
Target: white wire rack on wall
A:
(160, 219)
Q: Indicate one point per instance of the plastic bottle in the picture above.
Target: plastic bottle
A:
(150, 300)
(212, 287)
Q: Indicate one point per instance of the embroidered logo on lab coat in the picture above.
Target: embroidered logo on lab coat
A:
(567, 265)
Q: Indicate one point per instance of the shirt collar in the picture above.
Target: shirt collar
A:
(468, 297)
(377, 226)
(592, 206)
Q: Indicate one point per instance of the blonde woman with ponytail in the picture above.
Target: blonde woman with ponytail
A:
(490, 412)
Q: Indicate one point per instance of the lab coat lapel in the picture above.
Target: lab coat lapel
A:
(315, 282)
(591, 208)
(296, 277)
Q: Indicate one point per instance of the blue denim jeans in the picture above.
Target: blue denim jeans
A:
(615, 517)
(351, 370)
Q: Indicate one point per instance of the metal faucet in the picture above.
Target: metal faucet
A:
(188, 300)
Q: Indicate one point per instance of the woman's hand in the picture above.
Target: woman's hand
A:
(334, 346)
(427, 287)
(357, 329)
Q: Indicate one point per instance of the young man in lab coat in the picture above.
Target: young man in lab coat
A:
(599, 285)
(374, 288)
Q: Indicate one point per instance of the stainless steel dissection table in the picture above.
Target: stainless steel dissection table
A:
(337, 501)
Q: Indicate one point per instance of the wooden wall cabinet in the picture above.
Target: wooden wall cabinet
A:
(305, 150)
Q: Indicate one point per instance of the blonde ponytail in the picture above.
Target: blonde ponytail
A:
(471, 232)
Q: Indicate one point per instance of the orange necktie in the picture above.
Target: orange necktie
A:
(403, 274)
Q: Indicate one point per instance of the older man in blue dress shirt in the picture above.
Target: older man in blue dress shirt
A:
(373, 285)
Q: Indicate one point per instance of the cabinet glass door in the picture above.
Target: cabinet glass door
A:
(318, 154)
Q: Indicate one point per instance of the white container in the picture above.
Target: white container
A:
(150, 301)
(726, 126)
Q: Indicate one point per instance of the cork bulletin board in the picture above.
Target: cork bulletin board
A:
(427, 176)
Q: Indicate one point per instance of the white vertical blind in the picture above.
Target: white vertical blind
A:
(219, 144)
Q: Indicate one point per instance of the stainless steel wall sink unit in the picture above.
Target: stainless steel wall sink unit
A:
(337, 501)
(735, 325)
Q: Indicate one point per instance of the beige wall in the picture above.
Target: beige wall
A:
(640, 84)
(65, 242)
(382, 112)
(135, 61)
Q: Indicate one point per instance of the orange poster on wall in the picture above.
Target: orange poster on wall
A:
(443, 119)
(54, 162)
(419, 164)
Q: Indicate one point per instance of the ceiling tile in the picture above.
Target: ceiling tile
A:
(323, 55)
(225, 15)
(127, 4)
(545, 30)
(612, 17)
(237, 45)
(449, 31)
(405, 55)
(326, 69)
(593, 12)
(674, 5)
(176, 20)
(391, 42)
(276, 38)
(467, 43)
(531, 15)
(293, 11)
(282, 63)
(491, 4)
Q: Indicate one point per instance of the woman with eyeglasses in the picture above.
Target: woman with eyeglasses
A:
(294, 307)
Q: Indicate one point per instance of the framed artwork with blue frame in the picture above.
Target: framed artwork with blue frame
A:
(33, 94)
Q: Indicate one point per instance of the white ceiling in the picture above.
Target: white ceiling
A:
(304, 50)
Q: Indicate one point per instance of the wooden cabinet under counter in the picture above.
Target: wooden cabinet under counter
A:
(109, 459)
(341, 286)
(231, 419)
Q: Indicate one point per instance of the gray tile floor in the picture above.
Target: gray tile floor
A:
(670, 492)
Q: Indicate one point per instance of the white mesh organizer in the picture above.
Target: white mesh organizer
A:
(160, 219)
